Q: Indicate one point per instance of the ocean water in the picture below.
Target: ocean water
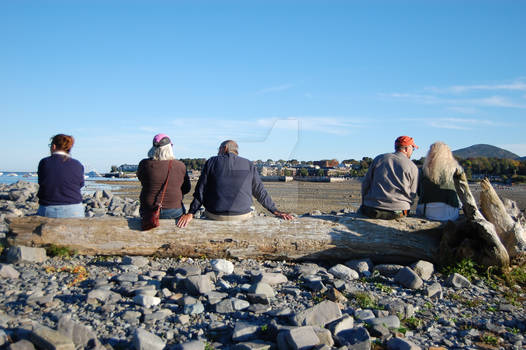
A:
(91, 184)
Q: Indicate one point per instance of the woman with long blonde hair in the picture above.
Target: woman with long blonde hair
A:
(438, 199)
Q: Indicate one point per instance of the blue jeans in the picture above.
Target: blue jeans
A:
(62, 211)
(171, 213)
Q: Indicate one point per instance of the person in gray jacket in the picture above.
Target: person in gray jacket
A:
(390, 186)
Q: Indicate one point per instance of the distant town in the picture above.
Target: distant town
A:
(331, 170)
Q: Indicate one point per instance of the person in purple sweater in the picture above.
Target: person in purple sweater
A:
(60, 178)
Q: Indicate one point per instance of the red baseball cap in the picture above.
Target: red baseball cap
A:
(403, 141)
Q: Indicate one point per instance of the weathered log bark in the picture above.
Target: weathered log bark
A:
(477, 237)
(510, 232)
(307, 238)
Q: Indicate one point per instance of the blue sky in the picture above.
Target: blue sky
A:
(286, 79)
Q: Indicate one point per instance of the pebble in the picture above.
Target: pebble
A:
(138, 302)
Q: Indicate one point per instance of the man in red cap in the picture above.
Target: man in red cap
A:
(390, 185)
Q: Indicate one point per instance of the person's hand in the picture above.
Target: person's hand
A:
(284, 216)
(184, 220)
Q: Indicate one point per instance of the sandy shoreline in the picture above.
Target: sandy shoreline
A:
(304, 197)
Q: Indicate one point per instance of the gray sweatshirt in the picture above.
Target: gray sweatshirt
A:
(390, 183)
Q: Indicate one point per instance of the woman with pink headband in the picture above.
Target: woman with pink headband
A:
(159, 171)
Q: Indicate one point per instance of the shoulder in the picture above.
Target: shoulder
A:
(178, 164)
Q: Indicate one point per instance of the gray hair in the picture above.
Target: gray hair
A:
(440, 164)
(228, 146)
(161, 153)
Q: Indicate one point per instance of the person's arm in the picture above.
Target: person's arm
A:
(81, 175)
(366, 183)
(186, 186)
(198, 198)
(262, 196)
(140, 171)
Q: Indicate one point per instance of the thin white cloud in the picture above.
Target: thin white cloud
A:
(328, 125)
(514, 86)
(455, 123)
(491, 101)
(275, 89)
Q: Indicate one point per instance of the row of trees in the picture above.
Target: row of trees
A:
(507, 169)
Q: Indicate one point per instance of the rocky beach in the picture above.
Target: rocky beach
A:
(55, 299)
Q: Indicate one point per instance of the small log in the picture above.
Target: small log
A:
(476, 238)
(307, 238)
(510, 232)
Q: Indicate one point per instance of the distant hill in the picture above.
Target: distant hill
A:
(484, 151)
(522, 158)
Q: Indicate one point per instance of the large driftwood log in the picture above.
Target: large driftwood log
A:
(476, 238)
(307, 238)
(510, 232)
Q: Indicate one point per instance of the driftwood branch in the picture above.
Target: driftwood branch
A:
(307, 238)
(475, 238)
(510, 232)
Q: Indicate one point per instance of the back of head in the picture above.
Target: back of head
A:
(228, 146)
(440, 164)
(162, 148)
(63, 142)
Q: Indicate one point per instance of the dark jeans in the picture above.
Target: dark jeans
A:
(171, 213)
(375, 213)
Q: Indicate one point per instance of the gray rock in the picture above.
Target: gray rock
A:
(262, 288)
(343, 272)
(408, 278)
(144, 340)
(318, 315)
(239, 304)
(271, 278)
(391, 322)
(244, 331)
(225, 306)
(435, 291)
(82, 336)
(3, 338)
(424, 269)
(301, 338)
(103, 295)
(397, 307)
(379, 331)
(456, 280)
(401, 344)
(157, 316)
(356, 339)
(132, 317)
(8, 271)
(324, 336)
(192, 345)
(343, 324)
(18, 254)
(197, 285)
(146, 300)
(363, 315)
(22, 345)
(360, 265)
(316, 286)
(194, 309)
(215, 297)
(47, 338)
(139, 261)
(388, 270)
(254, 345)
(223, 266)
(127, 277)
(189, 270)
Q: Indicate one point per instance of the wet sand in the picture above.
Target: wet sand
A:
(303, 197)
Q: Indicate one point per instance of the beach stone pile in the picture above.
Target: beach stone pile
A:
(135, 302)
(20, 199)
